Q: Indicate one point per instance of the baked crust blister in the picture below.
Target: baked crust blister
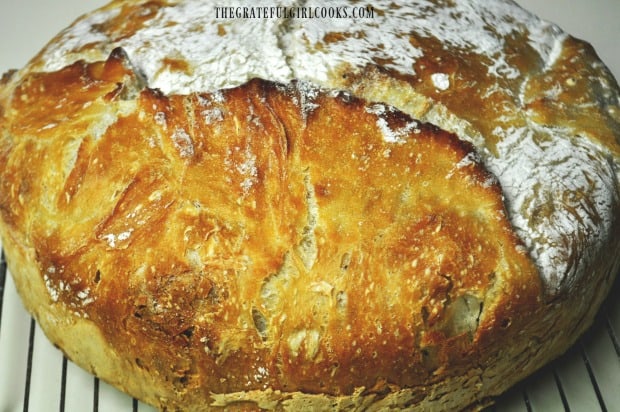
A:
(308, 243)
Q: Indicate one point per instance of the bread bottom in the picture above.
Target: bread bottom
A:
(548, 336)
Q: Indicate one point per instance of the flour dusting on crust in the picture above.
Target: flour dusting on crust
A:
(558, 218)
(543, 170)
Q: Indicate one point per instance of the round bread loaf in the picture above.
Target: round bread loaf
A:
(412, 206)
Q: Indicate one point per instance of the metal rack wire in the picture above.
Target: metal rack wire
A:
(34, 376)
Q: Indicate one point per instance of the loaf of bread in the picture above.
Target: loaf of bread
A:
(311, 207)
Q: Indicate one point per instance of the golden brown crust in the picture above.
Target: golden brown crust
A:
(263, 237)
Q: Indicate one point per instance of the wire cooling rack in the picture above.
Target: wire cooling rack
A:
(34, 375)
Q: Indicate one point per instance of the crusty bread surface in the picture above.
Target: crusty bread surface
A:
(359, 217)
